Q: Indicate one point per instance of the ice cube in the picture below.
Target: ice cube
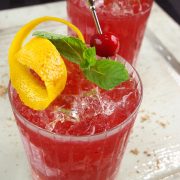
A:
(50, 126)
(92, 103)
(122, 7)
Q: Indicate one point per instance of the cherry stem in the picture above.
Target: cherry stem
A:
(91, 4)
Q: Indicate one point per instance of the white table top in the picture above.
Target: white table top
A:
(153, 151)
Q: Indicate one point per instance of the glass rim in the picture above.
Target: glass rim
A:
(80, 137)
(129, 15)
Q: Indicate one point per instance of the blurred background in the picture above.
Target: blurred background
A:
(172, 7)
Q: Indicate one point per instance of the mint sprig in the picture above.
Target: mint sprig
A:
(106, 73)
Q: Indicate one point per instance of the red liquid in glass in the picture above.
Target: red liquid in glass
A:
(82, 109)
(125, 18)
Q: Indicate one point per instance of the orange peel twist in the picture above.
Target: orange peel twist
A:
(41, 56)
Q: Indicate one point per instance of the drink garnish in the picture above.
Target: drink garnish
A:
(42, 58)
(106, 73)
(107, 44)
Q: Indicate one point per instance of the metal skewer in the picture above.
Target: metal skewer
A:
(91, 4)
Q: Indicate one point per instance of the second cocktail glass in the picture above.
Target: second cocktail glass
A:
(127, 19)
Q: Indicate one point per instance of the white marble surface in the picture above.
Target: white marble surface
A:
(157, 139)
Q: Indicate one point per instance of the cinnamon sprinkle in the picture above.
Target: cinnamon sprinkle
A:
(3, 90)
(134, 151)
(145, 118)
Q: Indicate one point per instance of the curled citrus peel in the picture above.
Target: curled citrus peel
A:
(41, 56)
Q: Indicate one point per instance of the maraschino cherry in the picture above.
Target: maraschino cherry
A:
(106, 44)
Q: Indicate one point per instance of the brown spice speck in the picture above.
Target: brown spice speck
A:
(144, 118)
(3, 90)
(158, 163)
(162, 124)
(148, 154)
(134, 151)
(137, 171)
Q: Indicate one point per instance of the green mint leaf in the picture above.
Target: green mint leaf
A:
(70, 48)
(47, 35)
(90, 56)
(107, 73)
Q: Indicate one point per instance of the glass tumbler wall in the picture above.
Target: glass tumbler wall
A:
(127, 19)
(66, 157)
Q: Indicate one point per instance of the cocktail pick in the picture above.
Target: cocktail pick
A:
(91, 4)
(106, 43)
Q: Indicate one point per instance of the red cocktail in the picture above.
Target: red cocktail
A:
(125, 18)
(82, 135)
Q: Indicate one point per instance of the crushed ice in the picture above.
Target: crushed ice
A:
(92, 103)
(87, 105)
